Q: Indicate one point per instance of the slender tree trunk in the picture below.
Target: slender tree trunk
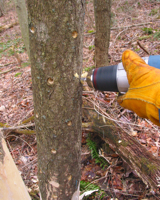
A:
(1, 8)
(102, 10)
(56, 29)
(21, 10)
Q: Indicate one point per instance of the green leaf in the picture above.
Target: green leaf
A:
(95, 155)
(157, 35)
(137, 49)
(86, 69)
(148, 31)
(25, 64)
(91, 47)
(153, 12)
(18, 74)
(87, 185)
(90, 31)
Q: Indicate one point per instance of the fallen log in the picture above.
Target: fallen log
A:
(128, 148)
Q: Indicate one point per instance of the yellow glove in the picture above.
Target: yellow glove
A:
(143, 95)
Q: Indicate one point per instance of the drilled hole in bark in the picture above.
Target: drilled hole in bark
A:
(32, 29)
(74, 34)
(53, 151)
(69, 123)
(50, 81)
(69, 177)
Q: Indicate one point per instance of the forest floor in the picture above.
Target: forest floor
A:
(135, 26)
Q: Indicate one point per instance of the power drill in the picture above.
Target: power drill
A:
(114, 78)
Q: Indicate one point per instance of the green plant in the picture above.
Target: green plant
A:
(89, 68)
(95, 155)
(137, 49)
(10, 52)
(91, 47)
(139, 4)
(153, 12)
(144, 37)
(25, 64)
(87, 186)
(148, 31)
(8, 44)
(157, 35)
(21, 49)
(91, 31)
(18, 74)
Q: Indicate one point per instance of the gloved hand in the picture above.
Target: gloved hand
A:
(143, 95)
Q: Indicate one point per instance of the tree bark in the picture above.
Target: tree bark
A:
(102, 10)
(56, 29)
(128, 148)
(1, 8)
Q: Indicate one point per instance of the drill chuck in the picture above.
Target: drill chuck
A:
(114, 78)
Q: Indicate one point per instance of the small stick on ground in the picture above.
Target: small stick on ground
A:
(9, 70)
(142, 47)
(3, 28)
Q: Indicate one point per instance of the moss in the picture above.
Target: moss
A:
(147, 167)
(123, 143)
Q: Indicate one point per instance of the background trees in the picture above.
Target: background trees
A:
(21, 10)
(102, 12)
(1, 7)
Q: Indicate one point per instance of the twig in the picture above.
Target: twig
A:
(23, 141)
(30, 163)
(3, 28)
(3, 125)
(28, 119)
(133, 25)
(122, 27)
(25, 131)
(7, 64)
(105, 115)
(9, 70)
(17, 127)
(87, 34)
(10, 148)
(154, 126)
(118, 36)
(142, 47)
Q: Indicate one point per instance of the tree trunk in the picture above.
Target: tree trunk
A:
(1, 8)
(129, 149)
(11, 184)
(102, 10)
(21, 10)
(56, 29)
